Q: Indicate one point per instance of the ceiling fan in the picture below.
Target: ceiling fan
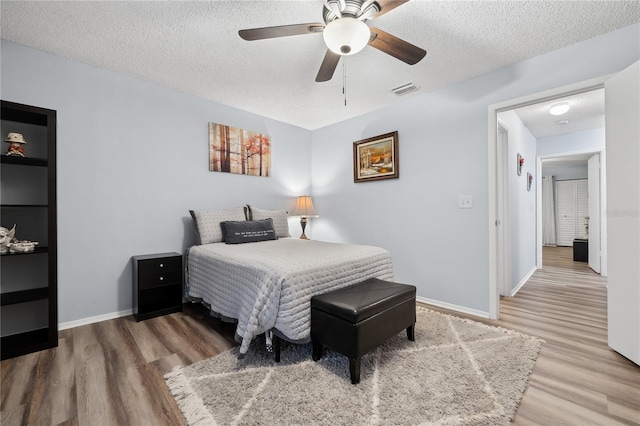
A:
(345, 32)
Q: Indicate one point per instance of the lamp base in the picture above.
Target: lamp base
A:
(303, 223)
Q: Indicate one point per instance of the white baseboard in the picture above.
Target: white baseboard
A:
(127, 312)
(453, 307)
(523, 281)
(91, 320)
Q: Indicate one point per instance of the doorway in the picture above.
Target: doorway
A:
(575, 207)
(496, 213)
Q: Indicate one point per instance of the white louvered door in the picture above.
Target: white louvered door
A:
(565, 212)
(571, 208)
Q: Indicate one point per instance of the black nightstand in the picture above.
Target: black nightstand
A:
(157, 285)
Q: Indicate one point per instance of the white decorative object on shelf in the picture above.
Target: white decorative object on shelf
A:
(15, 141)
(22, 246)
(8, 244)
(6, 236)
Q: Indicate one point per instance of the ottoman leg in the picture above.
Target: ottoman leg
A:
(354, 370)
(276, 347)
(411, 332)
(317, 351)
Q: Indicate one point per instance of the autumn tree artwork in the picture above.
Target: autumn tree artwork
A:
(238, 151)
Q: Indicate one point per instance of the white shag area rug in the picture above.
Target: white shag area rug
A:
(456, 372)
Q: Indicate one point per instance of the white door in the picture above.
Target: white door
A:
(593, 172)
(622, 127)
(565, 212)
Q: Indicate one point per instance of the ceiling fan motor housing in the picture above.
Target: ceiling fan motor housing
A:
(349, 8)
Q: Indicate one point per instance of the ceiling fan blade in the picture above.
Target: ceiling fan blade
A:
(396, 47)
(328, 66)
(281, 31)
(387, 5)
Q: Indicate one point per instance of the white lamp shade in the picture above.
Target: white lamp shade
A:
(304, 207)
(346, 36)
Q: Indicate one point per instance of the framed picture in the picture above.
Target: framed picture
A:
(233, 150)
(529, 181)
(376, 158)
(520, 163)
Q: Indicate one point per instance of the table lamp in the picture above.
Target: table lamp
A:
(304, 209)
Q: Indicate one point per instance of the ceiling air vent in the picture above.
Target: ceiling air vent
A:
(404, 89)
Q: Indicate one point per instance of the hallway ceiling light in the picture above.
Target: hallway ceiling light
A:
(559, 109)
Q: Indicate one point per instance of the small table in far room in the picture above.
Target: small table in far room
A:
(581, 250)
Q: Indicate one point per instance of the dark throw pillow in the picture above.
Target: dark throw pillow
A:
(251, 231)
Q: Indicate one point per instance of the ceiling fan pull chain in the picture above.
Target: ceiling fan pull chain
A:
(344, 79)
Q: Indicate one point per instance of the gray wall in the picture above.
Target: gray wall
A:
(571, 142)
(132, 160)
(566, 172)
(560, 145)
(443, 154)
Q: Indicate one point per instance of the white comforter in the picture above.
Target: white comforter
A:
(268, 284)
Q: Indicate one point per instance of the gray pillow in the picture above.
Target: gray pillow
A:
(248, 231)
(280, 219)
(207, 223)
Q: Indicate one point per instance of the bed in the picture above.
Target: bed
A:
(267, 285)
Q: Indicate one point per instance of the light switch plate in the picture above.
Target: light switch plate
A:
(465, 201)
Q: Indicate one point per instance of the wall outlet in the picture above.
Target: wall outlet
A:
(465, 202)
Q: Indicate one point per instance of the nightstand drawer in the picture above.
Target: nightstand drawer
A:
(159, 265)
(162, 278)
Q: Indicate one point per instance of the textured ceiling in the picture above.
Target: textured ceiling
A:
(586, 112)
(194, 47)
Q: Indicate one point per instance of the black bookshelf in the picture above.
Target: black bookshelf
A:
(23, 299)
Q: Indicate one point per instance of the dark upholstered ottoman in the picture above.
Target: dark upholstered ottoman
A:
(355, 320)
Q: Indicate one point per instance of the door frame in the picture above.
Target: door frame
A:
(603, 205)
(495, 186)
(504, 213)
(597, 202)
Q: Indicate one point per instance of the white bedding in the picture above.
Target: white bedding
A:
(268, 284)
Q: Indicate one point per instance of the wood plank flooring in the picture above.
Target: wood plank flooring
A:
(577, 379)
(111, 373)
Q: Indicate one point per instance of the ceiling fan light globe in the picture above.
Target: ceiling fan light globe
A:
(346, 36)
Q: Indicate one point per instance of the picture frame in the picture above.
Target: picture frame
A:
(529, 181)
(376, 158)
(519, 164)
(239, 151)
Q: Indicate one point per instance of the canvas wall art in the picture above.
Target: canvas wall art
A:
(376, 158)
(239, 151)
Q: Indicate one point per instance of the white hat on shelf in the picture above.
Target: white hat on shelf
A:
(15, 138)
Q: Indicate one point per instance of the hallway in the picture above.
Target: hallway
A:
(577, 379)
